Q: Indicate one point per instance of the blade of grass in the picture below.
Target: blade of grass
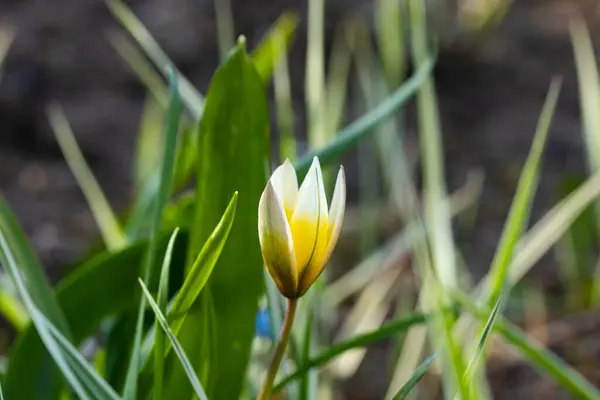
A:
(166, 175)
(519, 210)
(314, 84)
(414, 379)
(101, 209)
(283, 99)
(190, 96)
(589, 93)
(99, 388)
(437, 218)
(12, 309)
(487, 329)
(198, 389)
(386, 331)
(351, 134)
(138, 63)
(225, 27)
(204, 263)
(159, 337)
(10, 263)
(38, 283)
(545, 361)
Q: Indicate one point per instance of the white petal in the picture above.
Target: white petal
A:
(276, 242)
(285, 183)
(336, 212)
(309, 222)
(310, 274)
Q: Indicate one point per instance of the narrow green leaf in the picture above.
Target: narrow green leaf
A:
(175, 343)
(11, 264)
(189, 319)
(191, 97)
(103, 214)
(159, 339)
(519, 210)
(166, 175)
(92, 381)
(545, 361)
(197, 338)
(440, 273)
(96, 290)
(234, 156)
(265, 57)
(139, 64)
(350, 135)
(41, 293)
(14, 312)
(414, 379)
(204, 264)
(225, 28)
(384, 332)
(149, 142)
(487, 329)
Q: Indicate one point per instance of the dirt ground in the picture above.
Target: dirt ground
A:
(490, 97)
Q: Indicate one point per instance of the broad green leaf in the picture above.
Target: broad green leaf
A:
(233, 156)
(164, 189)
(414, 379)
(96, 290)
(199, 390)
(266, 56)
(385, 331)
(41, 293)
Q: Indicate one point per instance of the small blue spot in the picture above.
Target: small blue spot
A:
(264, 327)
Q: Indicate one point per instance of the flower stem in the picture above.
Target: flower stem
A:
(286, 329)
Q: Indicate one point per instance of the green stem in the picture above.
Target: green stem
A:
(286, 329)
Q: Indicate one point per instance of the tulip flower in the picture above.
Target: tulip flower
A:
(297, 235)
(297, 232)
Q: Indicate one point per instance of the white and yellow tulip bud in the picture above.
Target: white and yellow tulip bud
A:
(297, 232)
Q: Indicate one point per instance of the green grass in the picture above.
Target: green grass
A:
(171, 299)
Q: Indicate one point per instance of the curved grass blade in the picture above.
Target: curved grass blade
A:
(99, 289)
(38, 319)
(99, 388)
(366, 339)
(103, 213)
(166, 175)
(187, 297)
(159, 337)
(204, 263)
(190, 96)
(175, 343)
(544, 360)
(414, 379)
(519, 211)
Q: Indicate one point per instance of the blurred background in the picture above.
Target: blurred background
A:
(491, 82)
